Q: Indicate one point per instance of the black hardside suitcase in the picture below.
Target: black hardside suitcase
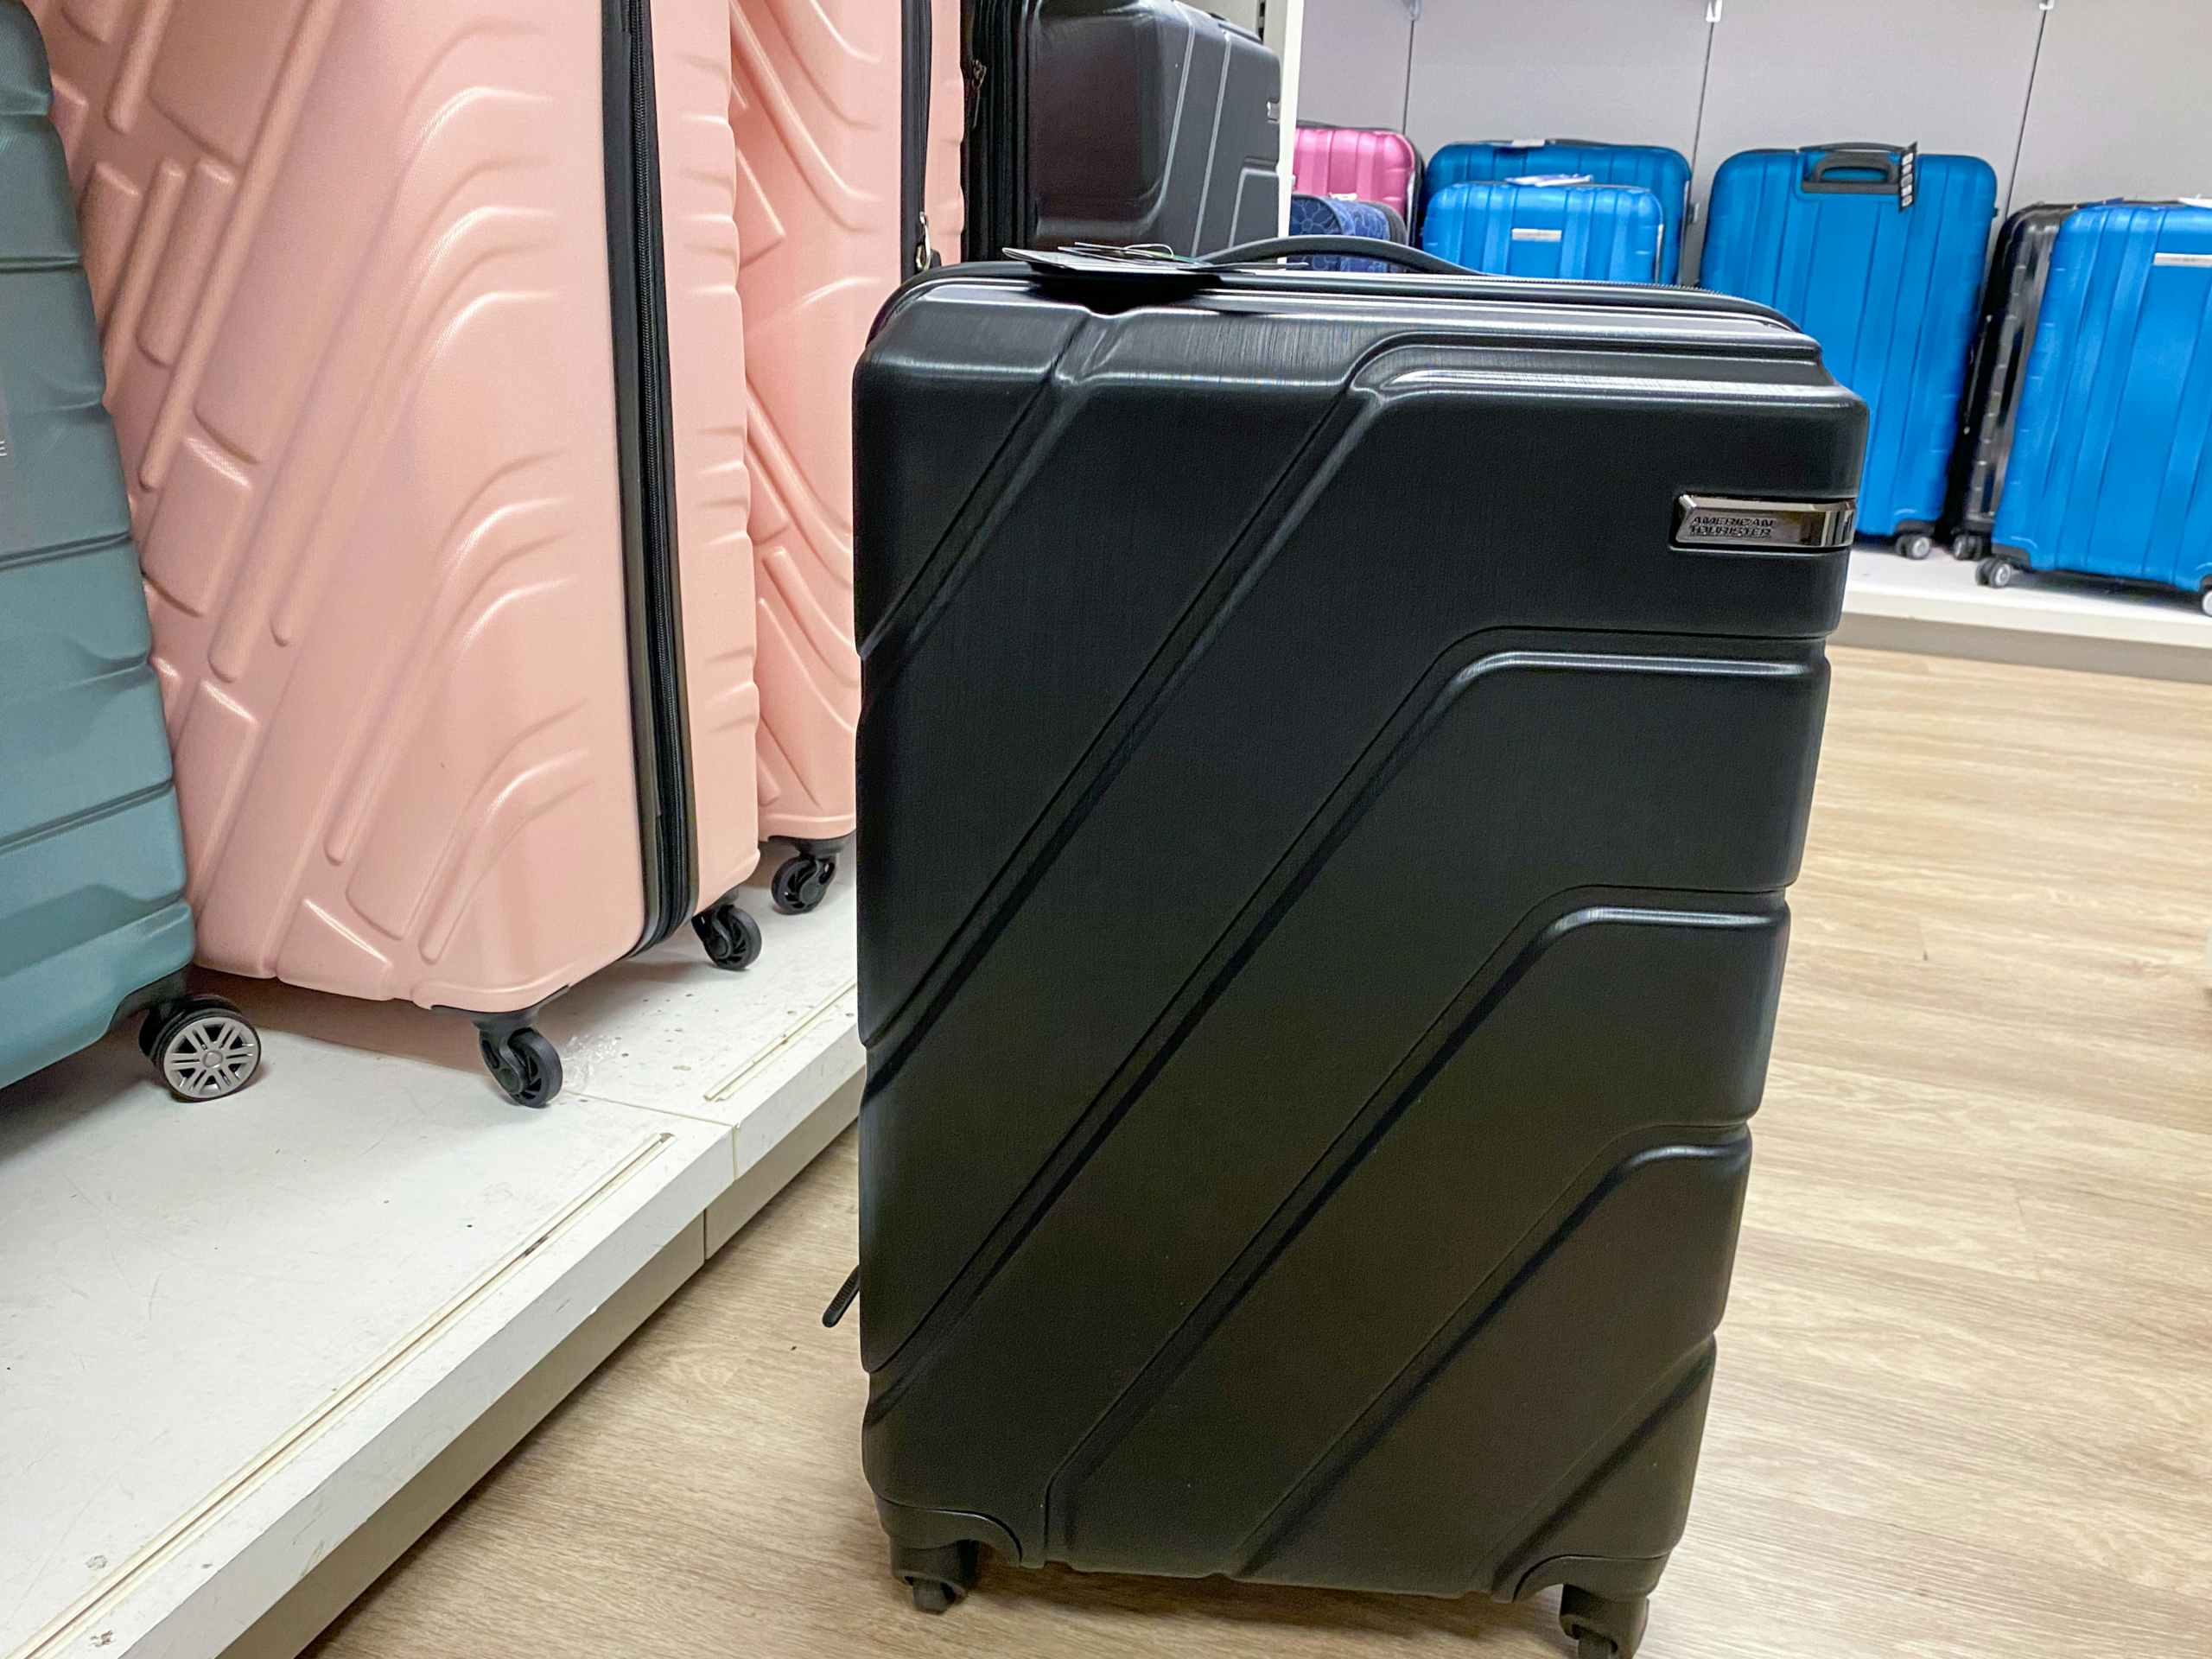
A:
(1333, 750)
(1118, 121)
(2011, 301)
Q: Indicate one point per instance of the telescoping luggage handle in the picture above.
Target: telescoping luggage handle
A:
(1863, 169)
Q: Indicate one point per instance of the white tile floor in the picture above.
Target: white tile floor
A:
(230, 1331)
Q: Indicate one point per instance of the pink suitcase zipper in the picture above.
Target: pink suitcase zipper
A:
(440, 476)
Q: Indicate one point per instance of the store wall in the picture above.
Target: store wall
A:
(1790, 73)
(1354, 62)
(1604, 69)
(2118, 104)
(2123, 103)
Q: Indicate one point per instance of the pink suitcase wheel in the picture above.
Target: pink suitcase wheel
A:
(732, 938)
(802, 882)
(522, 1063)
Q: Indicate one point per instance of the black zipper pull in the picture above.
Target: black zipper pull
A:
(972, 72)
(843, 1299)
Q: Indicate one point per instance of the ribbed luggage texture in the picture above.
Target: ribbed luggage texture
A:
(815, 102)
(1372, 164)
(1662, 171)
(93, 914)
(1351, 1202)
(2110, 473)
(2012, 302)
(1890, 291)
(1606, 233)
(352, 265)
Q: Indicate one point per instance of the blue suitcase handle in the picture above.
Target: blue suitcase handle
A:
(1842, 169)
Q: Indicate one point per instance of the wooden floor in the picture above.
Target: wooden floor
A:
(1965, 1397)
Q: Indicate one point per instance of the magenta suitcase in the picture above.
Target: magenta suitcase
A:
(1372, 164)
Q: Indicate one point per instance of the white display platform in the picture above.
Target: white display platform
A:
(1935, 605)
(232, 1333)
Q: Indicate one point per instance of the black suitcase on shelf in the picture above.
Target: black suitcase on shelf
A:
(2010, 304)
(1332, 770)
(1119, 121)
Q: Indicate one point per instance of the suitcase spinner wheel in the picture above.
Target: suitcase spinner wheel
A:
(525, 1065)
(1914, 545)
(732, 938)
(802, 880)
(1997, 571)
(1969, 545)
(203, 1046)
(939, 1575)
(1603, 1627)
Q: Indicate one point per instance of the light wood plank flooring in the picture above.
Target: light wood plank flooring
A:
(1965, 1397)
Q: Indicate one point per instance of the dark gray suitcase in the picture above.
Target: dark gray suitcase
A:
(2011, 302)
(1331, 773)
(1119, 121)
(94, 929)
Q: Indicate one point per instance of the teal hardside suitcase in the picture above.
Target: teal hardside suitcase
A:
(94, 927)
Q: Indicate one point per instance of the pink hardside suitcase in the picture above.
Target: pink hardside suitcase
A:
(1374, 164)
(820, 103)
(420, 371)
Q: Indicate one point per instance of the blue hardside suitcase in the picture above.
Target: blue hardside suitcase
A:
(1662, 171)
(1344, 216)
(94, 927)
(2109, 473)
(1597, 232)
(1877, 252)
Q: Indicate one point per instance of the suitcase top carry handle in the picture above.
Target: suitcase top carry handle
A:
(1844, 169)
(1157, 266)
(1160, 271)
(1359, 247)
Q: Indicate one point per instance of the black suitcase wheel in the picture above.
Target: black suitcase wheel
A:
(1969, 545)
(1603, 1627)
(1996, 572)
(524, 1064)
(802, 882)
(934, 1596)
(1916, 544)
(202, 1045)
(939, 1575)
(731, 936)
